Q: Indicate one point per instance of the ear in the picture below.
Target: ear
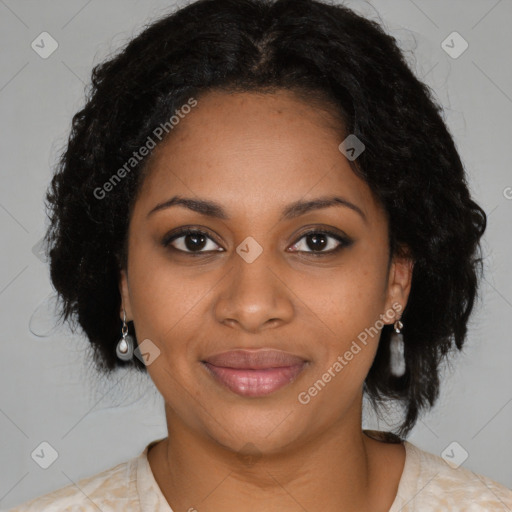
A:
(399, 283)
(124, 290)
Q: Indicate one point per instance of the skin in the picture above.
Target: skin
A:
(254, 154)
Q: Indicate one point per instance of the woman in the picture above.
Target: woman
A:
(261, 206)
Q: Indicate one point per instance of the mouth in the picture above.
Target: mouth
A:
(254, 373)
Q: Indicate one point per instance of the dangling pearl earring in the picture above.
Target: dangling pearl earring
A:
(124, 349)
(396, 348)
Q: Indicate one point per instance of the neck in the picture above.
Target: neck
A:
(341, 469)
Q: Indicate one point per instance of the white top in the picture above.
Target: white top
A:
(427, 484)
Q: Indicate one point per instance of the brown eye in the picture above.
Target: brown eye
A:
(191, 241)
(318, 241)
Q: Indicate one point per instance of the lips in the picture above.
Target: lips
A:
(254, 373)
(250, 360)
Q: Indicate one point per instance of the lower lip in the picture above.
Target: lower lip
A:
(255, 383)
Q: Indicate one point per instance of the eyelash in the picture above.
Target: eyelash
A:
(343, 241)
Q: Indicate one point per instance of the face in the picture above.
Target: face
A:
(263, 270)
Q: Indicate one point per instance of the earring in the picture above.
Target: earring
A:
(396, 348)
(124, 349)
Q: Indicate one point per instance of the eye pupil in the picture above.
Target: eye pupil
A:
(319, 241)
(198, 241)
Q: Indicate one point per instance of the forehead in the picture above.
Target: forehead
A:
(249, 150)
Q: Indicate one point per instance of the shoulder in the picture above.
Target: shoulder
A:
(102, 491)
(431, 483)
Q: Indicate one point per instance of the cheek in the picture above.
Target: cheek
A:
(346, 341)
(345, 304)
(163, 300)
(166, 309)
(347, 298)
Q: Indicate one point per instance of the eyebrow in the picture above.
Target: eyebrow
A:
(293, 210)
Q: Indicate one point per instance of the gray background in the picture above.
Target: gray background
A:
(48, 390)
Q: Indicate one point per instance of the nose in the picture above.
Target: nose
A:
(254, 296)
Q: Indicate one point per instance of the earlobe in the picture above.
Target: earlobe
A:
(125, 295)
(403, 275)
(400, 281)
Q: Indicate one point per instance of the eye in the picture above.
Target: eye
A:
(191, 241)
(318, 240)
(197, 241)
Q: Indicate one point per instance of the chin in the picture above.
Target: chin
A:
(255, 427)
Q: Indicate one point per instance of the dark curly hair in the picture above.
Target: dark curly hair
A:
(328, 54)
